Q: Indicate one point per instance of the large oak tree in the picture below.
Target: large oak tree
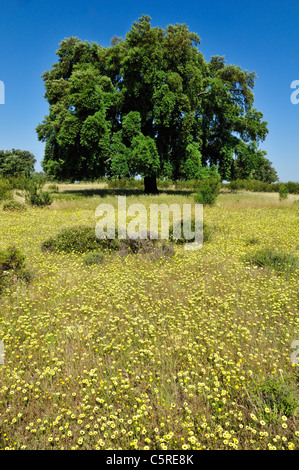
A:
(150, 105)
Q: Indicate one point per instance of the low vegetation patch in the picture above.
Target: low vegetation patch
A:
(275, 397)
(274, 259)
(82, 239)
(94, 258)
(14, 206)
(12, 267)
(78, 239)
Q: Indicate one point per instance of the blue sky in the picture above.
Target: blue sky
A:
(260, 36)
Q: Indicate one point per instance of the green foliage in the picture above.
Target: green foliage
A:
(145, 156)
(207, 232)
(82, 239)
(94, 258)
(283, 192)
(12, 264)
(16, 163)
(251, 163)
(53, 188)
(34, 195)
(5, 189)
(125, 183)
(14, 206)
(273, 259)
(208, 187)
(192, 166)
(147, 247)
(151, 105)
(260, 186)
(78, 239)
(277, 395)
(252, 240)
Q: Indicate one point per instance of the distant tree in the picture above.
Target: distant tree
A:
(149, 104)
(16, 163)
(251, 163)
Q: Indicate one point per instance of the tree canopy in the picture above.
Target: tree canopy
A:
(148, 105)
(16, 163)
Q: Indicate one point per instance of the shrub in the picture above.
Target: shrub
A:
(83, 239)
(152, 248)
(206, 235)
(279, 261)
(209, 186)
(54, 188)
(125, 183)
(14, 206)
(12, 264)
(34, 195)
(78, 239)
(277, 395)
(94, 258)
(5, 189)
(38, 197)
(283, 192)
(252, 240)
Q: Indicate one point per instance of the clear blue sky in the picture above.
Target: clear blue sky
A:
(258, 35)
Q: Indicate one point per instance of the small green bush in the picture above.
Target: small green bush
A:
(12, 264)
(125, 183)
(11, 258)
(283, 192)
(208, 189)
(279, 261)
(5, 189)
(94, 258)
(83, 240)
(34, 194)
(14, 206)
(207, 233)
(280, 396)
(38, 197)
(252, 240)
(54, 188)
(78, 239)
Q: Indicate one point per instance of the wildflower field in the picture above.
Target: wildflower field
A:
(191, 351)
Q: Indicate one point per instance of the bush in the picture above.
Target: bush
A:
(125, 183)
(206, 235)
(54, 188)
(83, 240)
(73, 240)
(277, 395)
(279, 261)
(14, 206)
(94, 258)
(208, 190)
(260, 186)
(5, 189)
(37, 197)
(34, 195)
(12, 264)
(252, 240)
(283, 192)
(152, 248)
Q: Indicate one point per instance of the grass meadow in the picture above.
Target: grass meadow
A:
(190, 352)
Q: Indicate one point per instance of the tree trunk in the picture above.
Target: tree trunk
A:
(150, 185)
